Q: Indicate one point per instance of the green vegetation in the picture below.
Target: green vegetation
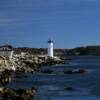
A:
(89, 50)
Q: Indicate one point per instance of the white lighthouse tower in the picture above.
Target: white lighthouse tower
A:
(50, 48)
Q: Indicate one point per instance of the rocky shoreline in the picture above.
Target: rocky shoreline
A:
(6, 93)
(17, 94)
(21, 68)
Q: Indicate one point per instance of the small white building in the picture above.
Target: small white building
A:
(6, 51)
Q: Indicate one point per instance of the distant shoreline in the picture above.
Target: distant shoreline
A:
(60, 52)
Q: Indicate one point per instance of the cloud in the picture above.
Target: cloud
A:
(12, 35)
(8, 22)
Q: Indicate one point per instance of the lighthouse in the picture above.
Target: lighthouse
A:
(50, 48)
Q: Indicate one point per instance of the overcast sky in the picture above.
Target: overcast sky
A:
(30, 23)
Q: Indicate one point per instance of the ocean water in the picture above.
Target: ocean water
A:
(53, 86)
